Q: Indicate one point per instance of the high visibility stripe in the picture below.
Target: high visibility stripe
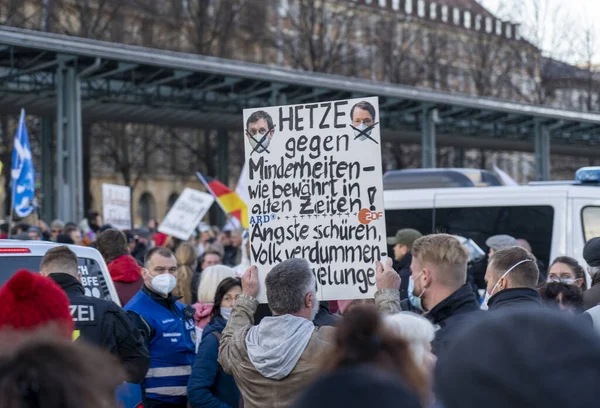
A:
(169, 371)
(172, 391)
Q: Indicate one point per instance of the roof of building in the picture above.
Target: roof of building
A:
(136, 84)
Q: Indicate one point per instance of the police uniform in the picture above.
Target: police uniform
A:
(104, 324)
(170, 335)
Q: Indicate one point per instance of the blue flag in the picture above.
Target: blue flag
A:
(22, 172)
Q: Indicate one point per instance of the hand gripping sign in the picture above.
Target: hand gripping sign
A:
(315, 192)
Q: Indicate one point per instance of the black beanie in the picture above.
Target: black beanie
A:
(521, 358)
(357, 387)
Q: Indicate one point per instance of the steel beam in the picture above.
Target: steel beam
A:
(428, 138)
(48, 173)
(541, 151)
(69, 187)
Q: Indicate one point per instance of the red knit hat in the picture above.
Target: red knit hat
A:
(29, 300)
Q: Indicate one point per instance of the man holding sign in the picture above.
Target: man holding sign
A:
(318, 193)
(274, 361)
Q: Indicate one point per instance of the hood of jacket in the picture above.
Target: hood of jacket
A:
(514, 297)
(202, 314)
(277, 343)
(217, 324)
(124, 269)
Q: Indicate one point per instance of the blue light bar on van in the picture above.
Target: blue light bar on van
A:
(588, 175)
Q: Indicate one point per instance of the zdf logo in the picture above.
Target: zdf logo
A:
(365, 216)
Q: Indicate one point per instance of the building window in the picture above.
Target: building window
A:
(488, 25)
(517, 33)
(147, 207)
(172, 198)
(467, 18)
(508, 31)
(408, 6)
(433, 11)
(456, 16)
(396, 4)
(421, 8)
(478, 22)
(382, 3)
(444, 13)
(498, 27)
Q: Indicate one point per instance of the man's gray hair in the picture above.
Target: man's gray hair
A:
(287, 285)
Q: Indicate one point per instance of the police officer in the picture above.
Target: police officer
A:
(97, 321)
(169, 329)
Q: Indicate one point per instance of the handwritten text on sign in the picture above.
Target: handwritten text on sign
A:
(185, 215)
(116, 206)
(315, 188)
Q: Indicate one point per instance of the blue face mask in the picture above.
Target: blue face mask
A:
(415, 300)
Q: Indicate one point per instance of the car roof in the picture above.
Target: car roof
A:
(39, 248)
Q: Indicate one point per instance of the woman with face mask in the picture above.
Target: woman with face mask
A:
(567, 270)
(209, 386)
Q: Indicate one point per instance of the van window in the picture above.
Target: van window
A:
(591, 222)
(92, 279)
(533, 223)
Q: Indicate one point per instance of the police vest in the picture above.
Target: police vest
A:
(172, 349)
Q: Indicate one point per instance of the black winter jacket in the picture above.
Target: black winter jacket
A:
(517, 297)
(104, 324)
(451, 315)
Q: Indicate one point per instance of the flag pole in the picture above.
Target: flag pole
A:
(12, 183)
(12, 206)
(203, 180)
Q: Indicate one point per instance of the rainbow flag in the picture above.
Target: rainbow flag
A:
(229, 201)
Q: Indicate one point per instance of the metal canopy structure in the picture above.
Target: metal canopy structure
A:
(71, 78)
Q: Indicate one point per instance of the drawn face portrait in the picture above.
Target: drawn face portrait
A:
(362, 119)
(258, 131)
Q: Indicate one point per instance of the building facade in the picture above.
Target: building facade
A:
(455, 46)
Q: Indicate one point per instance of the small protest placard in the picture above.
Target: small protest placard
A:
(186, 214)
(314, 179)
(116, 206)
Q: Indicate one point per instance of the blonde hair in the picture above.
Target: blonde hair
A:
(416, 330)
(186, 256)
(447, 254)
(209, 281)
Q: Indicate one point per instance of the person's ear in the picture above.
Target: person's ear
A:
(427, 278)
(271, 133)
(502, 284)
(579, 282)
(309, 300)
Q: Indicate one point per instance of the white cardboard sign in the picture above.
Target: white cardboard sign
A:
(186, 214)
(314, 178)
(116, 206)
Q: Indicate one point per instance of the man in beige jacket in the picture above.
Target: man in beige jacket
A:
(274, 361)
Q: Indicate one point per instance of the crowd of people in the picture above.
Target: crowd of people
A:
(442, 330)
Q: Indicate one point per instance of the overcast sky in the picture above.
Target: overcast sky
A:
(563, 18)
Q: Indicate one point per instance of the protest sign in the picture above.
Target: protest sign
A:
(186, 214)
(116, 206)
(314, 178)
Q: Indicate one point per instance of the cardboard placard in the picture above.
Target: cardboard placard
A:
(116, 206)
(186, 214)
(314, 178)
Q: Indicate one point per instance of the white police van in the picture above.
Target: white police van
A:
(96, 280)
(557, 218)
